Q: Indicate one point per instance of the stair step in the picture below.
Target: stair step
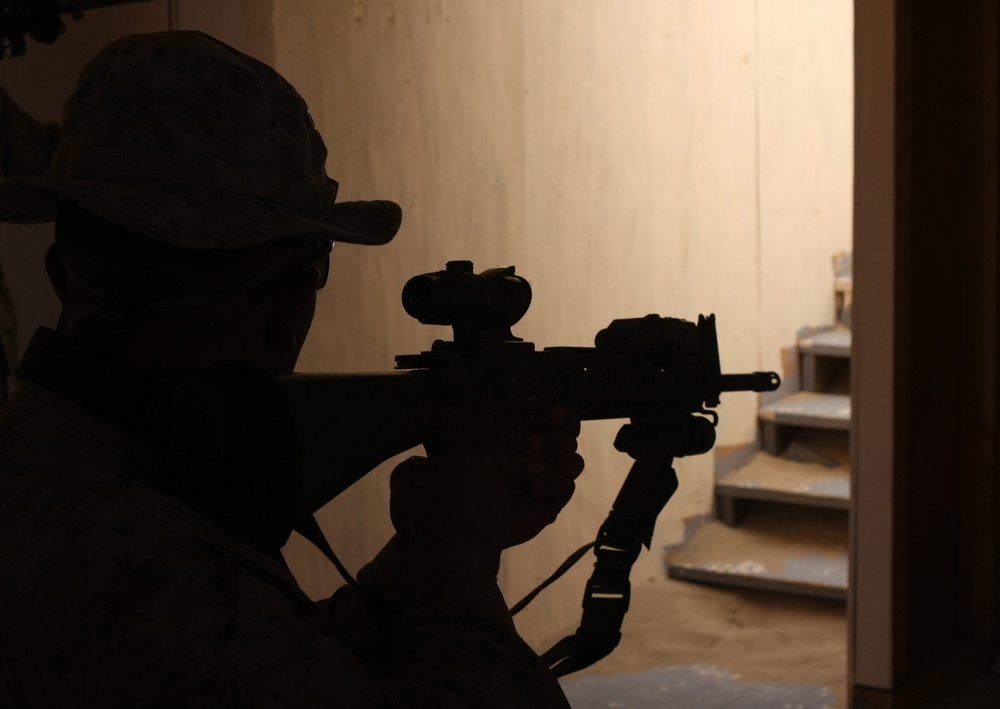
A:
(778, 548)
(827, 343)
(826, 359)
(779, 479)
(808, 408)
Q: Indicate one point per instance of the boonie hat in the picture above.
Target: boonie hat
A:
(185, 140)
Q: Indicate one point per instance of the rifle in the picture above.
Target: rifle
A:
(487, 386)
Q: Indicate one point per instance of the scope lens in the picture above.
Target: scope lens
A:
(507, 297)
(425, 298)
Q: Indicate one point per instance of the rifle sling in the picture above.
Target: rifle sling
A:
(628, 527)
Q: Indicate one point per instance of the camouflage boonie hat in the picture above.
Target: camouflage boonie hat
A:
(190, 142)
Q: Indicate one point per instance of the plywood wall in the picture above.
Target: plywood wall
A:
(677, 157)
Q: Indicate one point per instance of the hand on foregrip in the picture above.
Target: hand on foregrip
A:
(489, 498)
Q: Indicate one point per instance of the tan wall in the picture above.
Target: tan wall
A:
(628, 157)
(679, 157)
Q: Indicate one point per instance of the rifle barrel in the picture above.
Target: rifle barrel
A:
(757, 381)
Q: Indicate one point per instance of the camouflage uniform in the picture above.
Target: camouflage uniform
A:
(115, 594)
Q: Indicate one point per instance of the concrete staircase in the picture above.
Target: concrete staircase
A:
(782, 516)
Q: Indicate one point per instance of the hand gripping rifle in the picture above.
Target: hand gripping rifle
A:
(487, 386)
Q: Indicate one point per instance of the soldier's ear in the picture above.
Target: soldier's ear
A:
(56, 271)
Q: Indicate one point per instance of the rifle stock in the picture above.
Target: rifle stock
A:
(348, 424)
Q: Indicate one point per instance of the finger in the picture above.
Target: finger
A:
(530, 516)
(487, 461)
(565, 419)
(407, 471)
(559, 491)
(564, 467)
(518, 468)
(549, 443)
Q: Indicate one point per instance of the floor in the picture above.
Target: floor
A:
(704, 647)
(695, 646)
(691, 686)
